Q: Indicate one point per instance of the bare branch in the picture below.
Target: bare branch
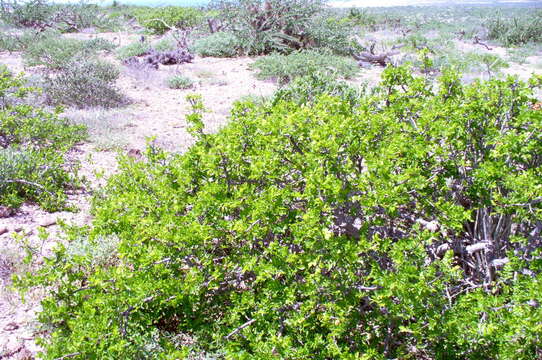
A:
(248, 323)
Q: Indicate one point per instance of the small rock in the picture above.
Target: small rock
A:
(6, 211)
(17, 229)
(11, 326)
(25, 354)
(135, 153)
(3, 230)
(48, 221)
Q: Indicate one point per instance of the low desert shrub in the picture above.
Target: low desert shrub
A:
(263, 27)
(33, 144)
(160, 19)
(362, 18)
(332, 33)
(56, 52)
(43, 14)
(308, 89)
(219, 44)
(84, 83)
(514, 30)
(33, 13)
(285, 68)
(20, 40)
(166, 43)
(180, 82)
(406, 226)
(136, 48)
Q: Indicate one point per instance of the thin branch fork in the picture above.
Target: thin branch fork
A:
(477, 41)
(69, 356)
(247, 324)
(26, 182)
(527, 204)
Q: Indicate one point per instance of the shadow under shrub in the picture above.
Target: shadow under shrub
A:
(84, 83)
(406, 226)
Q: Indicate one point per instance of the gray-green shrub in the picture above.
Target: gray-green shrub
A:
(516, 30)
(137, 48)
(219, 44)
(43, 14)
(180, 82)
(84, 83)
(285, 68)
(269, 26)
(56, 52)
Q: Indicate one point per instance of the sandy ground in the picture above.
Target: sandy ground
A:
(156, 111)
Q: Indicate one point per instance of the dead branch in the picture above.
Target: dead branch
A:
(68, 356)
(371, 57)
(477, 41)
(382, 59)
(153, 58)
(26, 182)
(215, 25)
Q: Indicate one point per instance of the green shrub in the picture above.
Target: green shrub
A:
(333, 33)
(33, 144)
(159, 20)
(166, 43)
(269, 26)
(136, 48)
(56, 52)
(180, 82)
(406, 226)
(42, 14)
(219, 44)
(32, 13)
(285, 68)
(516, 30)
(362, 17)
(307, 89)
(99, 44)
(84, 83)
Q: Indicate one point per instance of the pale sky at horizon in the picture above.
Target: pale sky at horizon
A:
(334, 3)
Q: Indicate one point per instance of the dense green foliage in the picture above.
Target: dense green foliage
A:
(161, 19)
(401, 224)
(516, 30)
(284, 68)
(219, 44)
(33, 145)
